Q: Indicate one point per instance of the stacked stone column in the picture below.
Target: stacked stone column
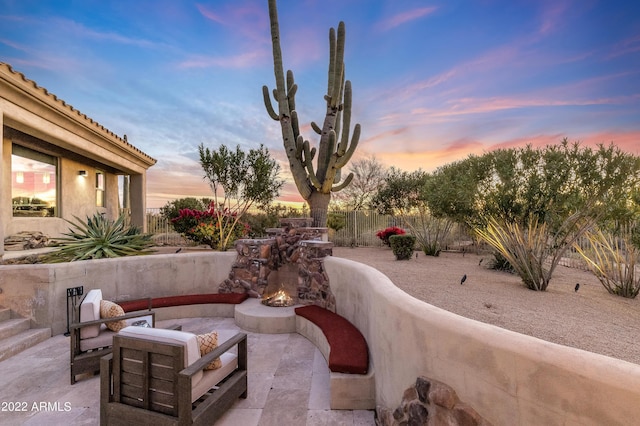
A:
(295, 243)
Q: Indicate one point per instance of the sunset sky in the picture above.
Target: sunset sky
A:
(433, 81)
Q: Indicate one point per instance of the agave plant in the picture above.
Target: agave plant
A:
(613, 261)
(99, 238)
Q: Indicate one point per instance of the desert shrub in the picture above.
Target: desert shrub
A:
(402, 246)
(499, 263)
(171, 210)
(259, 222)
(385, 234)
(613, 261)
(216, 228)
(535, 250)
(336, 221)
(431, 249)
(99, 238)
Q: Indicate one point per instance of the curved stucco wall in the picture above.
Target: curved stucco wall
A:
(509, 378)
(39, 291)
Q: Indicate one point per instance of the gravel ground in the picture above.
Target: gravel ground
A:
(590, 319)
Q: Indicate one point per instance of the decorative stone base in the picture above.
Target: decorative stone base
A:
(290, 259)
(252, 315)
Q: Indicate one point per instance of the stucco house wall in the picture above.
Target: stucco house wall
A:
(33, 118)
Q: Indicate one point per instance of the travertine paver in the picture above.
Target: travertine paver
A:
(288, 384)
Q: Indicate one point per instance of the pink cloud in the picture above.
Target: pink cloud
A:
(626, 47)
(552, 17)
(243, 60)
(247, 19)
(404, 17)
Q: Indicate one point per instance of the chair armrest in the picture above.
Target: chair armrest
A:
(199, 365)
(106, 370)
(137, 314)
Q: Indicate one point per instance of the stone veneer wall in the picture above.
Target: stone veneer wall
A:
(295, 243)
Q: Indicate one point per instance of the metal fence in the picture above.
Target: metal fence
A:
(162, 230)
(360, 228)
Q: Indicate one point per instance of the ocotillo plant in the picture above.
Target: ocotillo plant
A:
(315, 183)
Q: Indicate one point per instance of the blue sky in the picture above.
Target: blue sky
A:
(433, 81)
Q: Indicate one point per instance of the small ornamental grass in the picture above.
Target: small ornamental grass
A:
(402, 246)
(99, 238)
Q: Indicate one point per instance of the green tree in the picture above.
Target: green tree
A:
(239, 181)
(539, 201)
(315, 183)
(406, 194)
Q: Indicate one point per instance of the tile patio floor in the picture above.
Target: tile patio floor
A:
(288, 384)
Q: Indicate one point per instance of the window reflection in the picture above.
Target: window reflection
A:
(33, 183)
(99, 189)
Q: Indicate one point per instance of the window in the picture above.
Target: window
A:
(33, 183)
(99, 189)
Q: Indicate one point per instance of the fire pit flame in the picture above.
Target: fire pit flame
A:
(278, 299)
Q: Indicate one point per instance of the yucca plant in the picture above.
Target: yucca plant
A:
(534, 251)
(99, 238)
(613, 261)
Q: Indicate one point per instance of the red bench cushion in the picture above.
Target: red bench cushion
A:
(348, 353)
(188, 299)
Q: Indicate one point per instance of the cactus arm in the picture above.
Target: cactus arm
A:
(332, 60)
(292, 88)
(346, 119)
(344, 184)
(295, 126)
(308, 156)
(315, 128)
(268, 105)
(338, 66)
(343, 160)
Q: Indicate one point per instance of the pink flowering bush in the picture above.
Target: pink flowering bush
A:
(386, 233)
(216, 228)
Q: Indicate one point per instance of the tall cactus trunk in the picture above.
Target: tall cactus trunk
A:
(315, 182)
(319, 206)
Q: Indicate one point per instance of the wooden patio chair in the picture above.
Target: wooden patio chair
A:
(90, 339)
(156, 377)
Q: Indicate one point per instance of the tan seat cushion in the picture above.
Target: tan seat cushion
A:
(90, 311)
(103, 340)
(210, 378)
(111, 310)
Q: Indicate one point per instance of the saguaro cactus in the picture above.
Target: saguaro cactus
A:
(315, 183)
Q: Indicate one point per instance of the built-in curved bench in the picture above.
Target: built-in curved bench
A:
(189, 305)
(351, 381)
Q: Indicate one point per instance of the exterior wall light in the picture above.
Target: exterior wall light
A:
(82, 173)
